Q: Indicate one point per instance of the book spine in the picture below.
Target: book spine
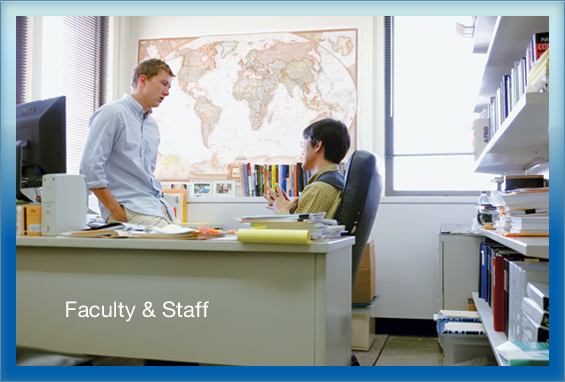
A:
(245, 180)
(540, 44)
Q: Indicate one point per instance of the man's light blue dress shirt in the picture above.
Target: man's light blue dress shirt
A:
(121, 153)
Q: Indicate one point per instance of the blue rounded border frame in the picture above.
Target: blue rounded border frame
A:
(9, 10)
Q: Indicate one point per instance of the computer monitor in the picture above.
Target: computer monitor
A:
(40, 143)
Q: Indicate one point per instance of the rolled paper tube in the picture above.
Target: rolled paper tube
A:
(274, 236)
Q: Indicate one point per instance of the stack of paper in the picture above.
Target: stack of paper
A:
(523, 212)
(530, 224)
(315, 224)
(138, 231)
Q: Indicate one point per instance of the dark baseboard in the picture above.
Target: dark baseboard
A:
(406, 326)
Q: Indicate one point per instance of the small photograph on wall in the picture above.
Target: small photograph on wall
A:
(201, 189)
(224, 188)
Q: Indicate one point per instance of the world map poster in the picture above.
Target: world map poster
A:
(248, 97)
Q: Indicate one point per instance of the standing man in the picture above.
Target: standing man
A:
(325, 144)
(120, 154)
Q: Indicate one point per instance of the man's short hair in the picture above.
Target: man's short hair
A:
(334, 136)
(150, 68)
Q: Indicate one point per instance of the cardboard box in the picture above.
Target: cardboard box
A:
(471, 305)
(364, 290)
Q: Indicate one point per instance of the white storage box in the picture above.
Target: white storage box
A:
(363, 326)
(464, 349)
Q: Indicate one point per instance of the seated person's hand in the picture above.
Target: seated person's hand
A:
(279, 201)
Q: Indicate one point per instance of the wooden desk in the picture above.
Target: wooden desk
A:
(267, 304)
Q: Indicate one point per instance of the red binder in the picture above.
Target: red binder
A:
(498, 299)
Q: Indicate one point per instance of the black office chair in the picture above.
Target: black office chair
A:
(359, 202)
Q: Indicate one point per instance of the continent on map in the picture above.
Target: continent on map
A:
(290, 64)
(172, 167)
(154, 48)
(196, 62)
(228, 47)
(344, 44)
(209, 114)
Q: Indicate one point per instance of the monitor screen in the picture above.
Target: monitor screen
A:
(40, 142)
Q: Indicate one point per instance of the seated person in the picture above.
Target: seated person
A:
(325, 144)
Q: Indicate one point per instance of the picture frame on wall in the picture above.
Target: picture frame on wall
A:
(224, 188)
(201, 189)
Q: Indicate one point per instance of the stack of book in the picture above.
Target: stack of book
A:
(535, 313)
(523, 212)
(318, 227)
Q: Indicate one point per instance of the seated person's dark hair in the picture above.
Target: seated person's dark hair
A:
(334, 137)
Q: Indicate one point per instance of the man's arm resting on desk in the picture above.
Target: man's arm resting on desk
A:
(110, 202)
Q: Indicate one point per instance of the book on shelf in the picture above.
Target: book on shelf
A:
(540, 43)
(539, 293)
(520, 274)
(498, 256)
(256, 178)
(533, 331)
(535, 312)
(538, 77)
(520, 353)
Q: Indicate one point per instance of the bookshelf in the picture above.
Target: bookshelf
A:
(522, 140)
(528, 246)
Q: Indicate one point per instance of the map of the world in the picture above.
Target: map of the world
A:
(248, 97)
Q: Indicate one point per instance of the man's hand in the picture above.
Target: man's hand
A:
(116, 209)
(279, 201)
(119, 213)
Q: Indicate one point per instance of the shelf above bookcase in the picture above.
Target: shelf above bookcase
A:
(527, 246)
(508, 43)
(522, 141)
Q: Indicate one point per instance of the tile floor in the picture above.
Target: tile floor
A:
(387, 350)
(410, 351)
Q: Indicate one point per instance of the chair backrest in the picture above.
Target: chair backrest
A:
(359, 202)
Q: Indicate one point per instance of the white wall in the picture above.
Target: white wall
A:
(405, 229)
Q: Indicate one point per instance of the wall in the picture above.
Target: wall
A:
(405, 229)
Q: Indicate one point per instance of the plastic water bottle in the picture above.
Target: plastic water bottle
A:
(483, 209)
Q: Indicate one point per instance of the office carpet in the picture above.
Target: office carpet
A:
(370, 357)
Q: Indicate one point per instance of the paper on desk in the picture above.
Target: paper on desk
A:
(274, 236)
